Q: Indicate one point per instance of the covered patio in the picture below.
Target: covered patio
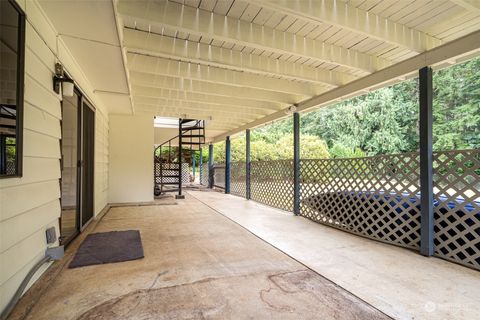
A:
(218, 256)
(108, 109)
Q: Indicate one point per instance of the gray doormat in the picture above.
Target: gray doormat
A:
(108, 247)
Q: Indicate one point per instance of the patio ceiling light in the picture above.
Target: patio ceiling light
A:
(59, 78)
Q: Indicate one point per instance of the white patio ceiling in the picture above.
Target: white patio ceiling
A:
(240, 63)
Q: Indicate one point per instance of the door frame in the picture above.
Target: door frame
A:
(79, 227)
(84, 102)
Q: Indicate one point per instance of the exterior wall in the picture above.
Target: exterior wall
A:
(31, 204)
(101, 161)
(164, 134)
(131, 159)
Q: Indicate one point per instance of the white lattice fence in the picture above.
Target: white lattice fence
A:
(375, 197)
(272, 183)
(457, 206)
(237, 179)
(204, 174)
(219, 175)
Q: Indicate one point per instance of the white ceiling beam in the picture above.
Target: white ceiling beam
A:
(188, 111)
(356, 20)
(203, 23)
(118, 29)
(194, 113)
(471, 5)
(468, 45)
(212, 99)
(143, 42)
(180, 102)
(182, 84)
(174, 68)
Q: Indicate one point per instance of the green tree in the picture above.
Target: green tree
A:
(311, 147)
(456, 106)
(383, 121)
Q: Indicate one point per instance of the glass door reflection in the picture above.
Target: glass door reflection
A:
(69, 222)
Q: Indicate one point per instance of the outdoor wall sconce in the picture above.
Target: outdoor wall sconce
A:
(60, 79)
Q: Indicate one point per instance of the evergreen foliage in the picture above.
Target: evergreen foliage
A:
(383, 121)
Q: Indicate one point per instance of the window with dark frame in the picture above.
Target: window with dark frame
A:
(12, 56)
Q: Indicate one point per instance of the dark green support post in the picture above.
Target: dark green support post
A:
(248, 190)
(180, 167)
(200, 165)
(296, 163)
(194, 156)
(426, 162)
(227, 165)
(210, 166)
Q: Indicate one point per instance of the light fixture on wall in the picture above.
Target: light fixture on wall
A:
(60, 79)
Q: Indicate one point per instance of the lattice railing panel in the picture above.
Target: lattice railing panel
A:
(272, 183)
(238, 173)
(376, 197)
(204, 175)
(219, 175)
(457, 206)
(170, 169)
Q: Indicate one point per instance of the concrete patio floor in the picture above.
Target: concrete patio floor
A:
(198, 265)
(397, 281)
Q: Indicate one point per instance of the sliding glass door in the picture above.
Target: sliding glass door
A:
(87, 164)
(69, 220)
(77, 182)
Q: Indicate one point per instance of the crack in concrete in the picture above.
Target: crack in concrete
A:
(140, 294)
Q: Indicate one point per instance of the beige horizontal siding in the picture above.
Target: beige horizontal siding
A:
(31, 204)
(21, 226)
(21, 253)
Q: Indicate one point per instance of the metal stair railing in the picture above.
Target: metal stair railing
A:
(193, 136)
